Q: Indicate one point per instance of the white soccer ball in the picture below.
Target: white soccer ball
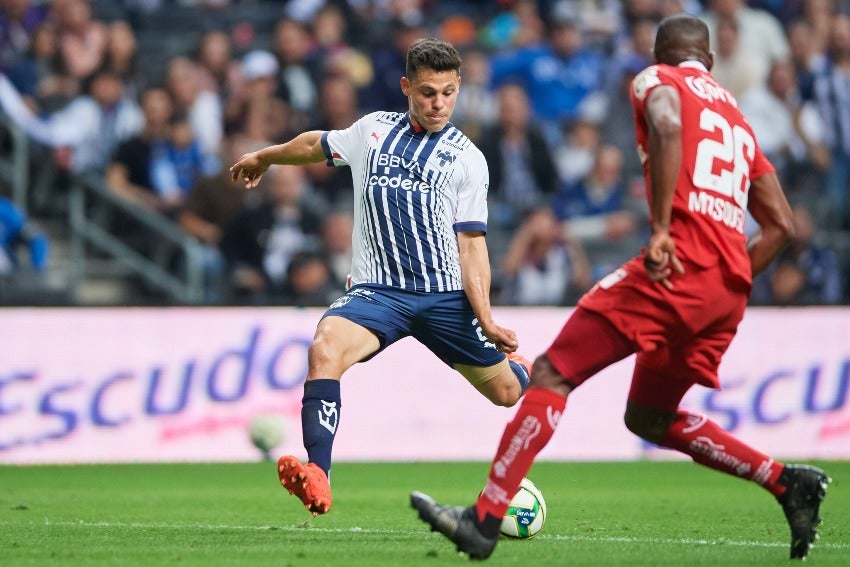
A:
(526, 513)
(266, 431)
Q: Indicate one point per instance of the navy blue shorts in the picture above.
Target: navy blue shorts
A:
(442, 321)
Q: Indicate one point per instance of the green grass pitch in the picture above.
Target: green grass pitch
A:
(644, 513)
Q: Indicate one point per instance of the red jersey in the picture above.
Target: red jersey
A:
(719, 158)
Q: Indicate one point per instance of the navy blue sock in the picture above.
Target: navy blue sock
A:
(320, 408)
(521, 375)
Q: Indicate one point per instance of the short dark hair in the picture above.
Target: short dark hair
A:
(434, 54)
(680, 27)
(682, 37)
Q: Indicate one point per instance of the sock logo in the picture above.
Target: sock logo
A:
(328, 416)
(717, 453)
(694, 421)
(553, 417)
(528, 430)
(762, 474)
(496, 494)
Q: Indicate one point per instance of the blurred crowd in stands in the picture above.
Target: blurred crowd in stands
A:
(160, 96)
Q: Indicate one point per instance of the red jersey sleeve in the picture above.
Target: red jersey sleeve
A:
(642, 85)
(761, 165)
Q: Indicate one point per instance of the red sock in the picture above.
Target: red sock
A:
(524, 437)
(708, 444)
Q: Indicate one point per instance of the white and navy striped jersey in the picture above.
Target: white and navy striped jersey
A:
(414, 190)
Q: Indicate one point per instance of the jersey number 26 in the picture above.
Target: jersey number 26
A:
(735, 149)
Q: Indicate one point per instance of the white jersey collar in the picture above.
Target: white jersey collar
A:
(693, 64)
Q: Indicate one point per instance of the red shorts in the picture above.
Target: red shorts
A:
(679, 335)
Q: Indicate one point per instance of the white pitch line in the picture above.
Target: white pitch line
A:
(414, 533)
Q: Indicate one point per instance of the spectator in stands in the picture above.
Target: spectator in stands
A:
(575, 154)
(177, 162)
(16, 231)
(337, 228)
(543, 266)
(19, 20)
(329, 28)
(338, 109)
(204, 109)
(37, 75)
(601, 22)
(557, 75)
(818, 15)
(82, 39)
(214, 202)
(254, 111)
(805, 273)
(338, 103)
(615, 117)
(832, 92)
(517, 25)
(635, 34)
(760, 35)
(219, 72)
(634, 10)
(594, 211)
(618, 127)
(522, 172)
(639, 43)
(671, 7)
(333, 53)
(129, 172)
(789, 130)
(308, 282)
(388, 61)
(90, 127)
(291, 45)
(478, 109)
(734, 67)
(261, 241)
(122, 58)
(807, 61)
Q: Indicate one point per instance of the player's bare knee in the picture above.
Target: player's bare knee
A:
(635, 425)
(507, 395)
(544, 375)
(647, 423)
(502, 390)
(320, 354)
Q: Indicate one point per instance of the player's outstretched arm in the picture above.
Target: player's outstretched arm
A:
(770, 209)
(475, 271)
(303, 149)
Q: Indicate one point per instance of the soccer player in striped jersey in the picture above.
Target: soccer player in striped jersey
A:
(420, 265)
(677, 304)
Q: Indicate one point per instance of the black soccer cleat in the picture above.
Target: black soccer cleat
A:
(801, 501)
(456, 523)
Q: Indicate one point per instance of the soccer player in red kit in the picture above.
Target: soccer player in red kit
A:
(677, 305)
